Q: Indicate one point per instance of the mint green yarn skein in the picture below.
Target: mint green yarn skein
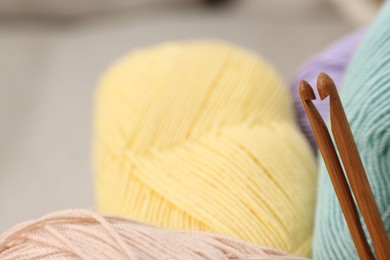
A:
(366, 98)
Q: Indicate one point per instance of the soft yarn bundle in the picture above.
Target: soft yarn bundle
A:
(201, 136)
(366, 98)
(333, 61)
(83, 234)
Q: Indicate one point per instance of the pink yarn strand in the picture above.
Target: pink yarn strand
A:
(83, 234)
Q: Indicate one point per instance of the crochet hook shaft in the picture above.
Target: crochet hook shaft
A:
(335, 171)
(354, 167)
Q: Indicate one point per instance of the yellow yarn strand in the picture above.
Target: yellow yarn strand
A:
(201, 136)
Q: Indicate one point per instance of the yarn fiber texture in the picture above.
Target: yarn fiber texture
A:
(84, 234)
(366, 98)
(333, 61)
(201, 136)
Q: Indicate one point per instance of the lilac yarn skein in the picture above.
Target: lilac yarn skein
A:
(332, 61)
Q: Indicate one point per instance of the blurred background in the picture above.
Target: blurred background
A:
(52, 53)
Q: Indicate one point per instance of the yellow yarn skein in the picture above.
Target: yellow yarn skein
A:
(201, 135)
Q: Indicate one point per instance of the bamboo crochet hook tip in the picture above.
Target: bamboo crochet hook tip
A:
(306, 91)
(325, 85)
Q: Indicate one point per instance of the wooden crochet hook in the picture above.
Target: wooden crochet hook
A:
(353, 166)
(335, 171)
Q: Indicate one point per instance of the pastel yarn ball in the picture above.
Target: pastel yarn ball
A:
(201, 136)
(84, 234)
(365, 94)
(333, 61)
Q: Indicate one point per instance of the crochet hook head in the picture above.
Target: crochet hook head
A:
(306, 91)
(325, 86)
